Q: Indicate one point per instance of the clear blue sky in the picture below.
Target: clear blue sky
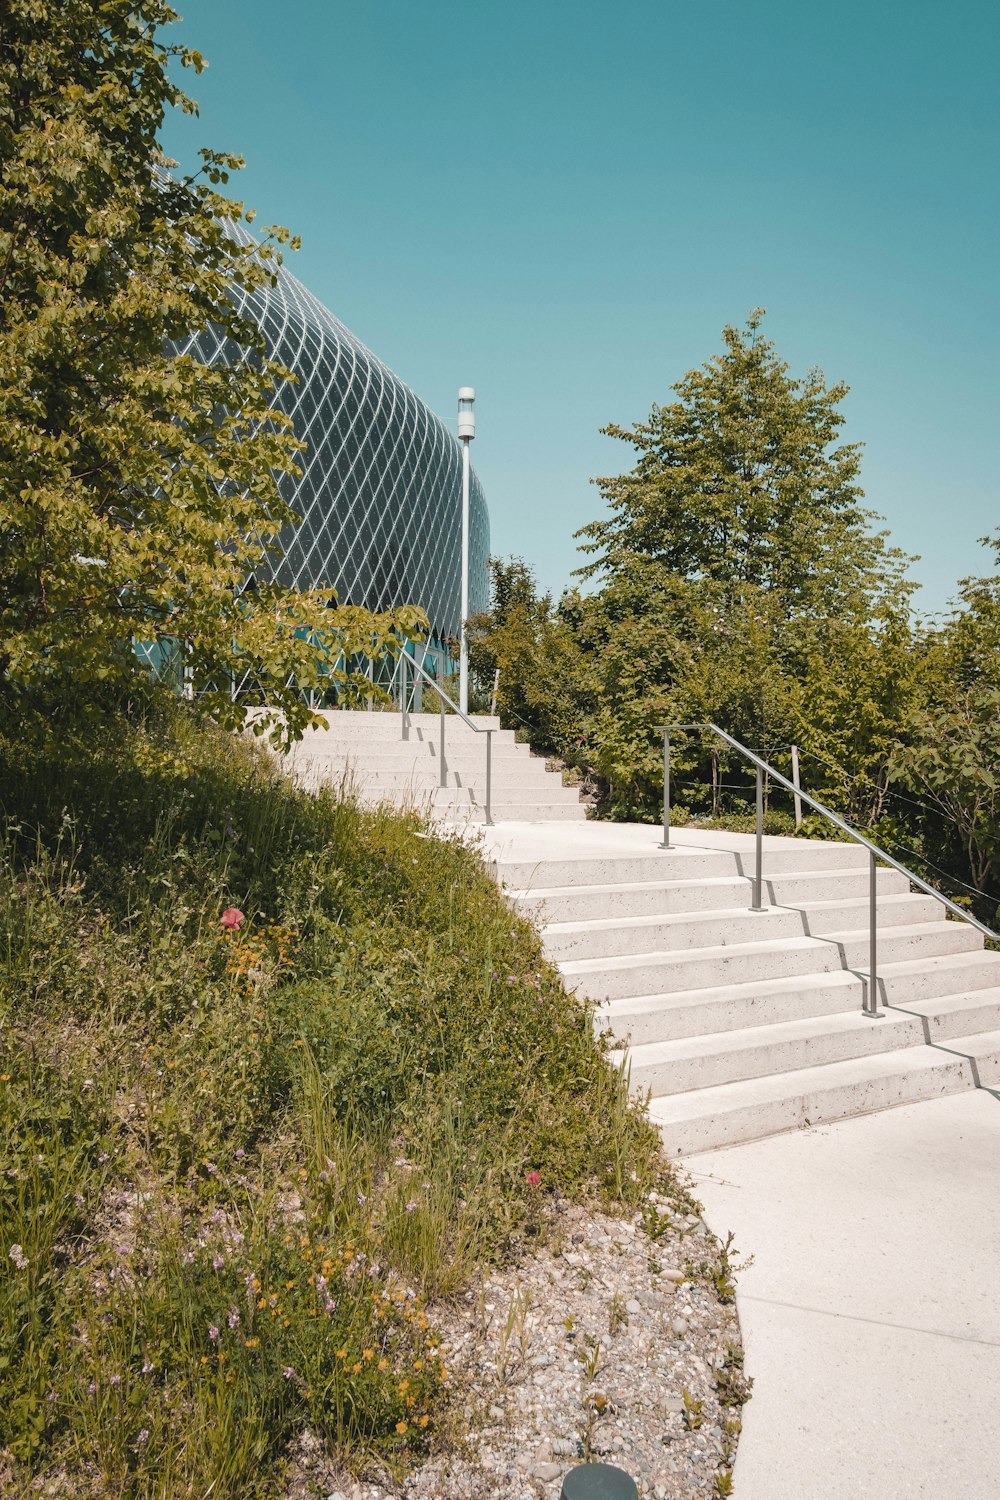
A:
(563, 204)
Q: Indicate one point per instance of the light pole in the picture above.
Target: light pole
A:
(466, 432)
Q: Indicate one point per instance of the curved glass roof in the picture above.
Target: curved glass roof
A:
(380, 495)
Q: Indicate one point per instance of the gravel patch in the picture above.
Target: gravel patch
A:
(602, 1346)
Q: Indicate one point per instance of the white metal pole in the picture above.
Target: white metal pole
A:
(466, 432)
(463, 667)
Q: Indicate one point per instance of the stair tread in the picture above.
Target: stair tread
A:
(678, 956)
(725, 1097)
(900, 968)
(773, 1034)
(721, 913)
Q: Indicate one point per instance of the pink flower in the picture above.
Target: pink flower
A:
(232, 918)
(533, 1179)
(213, 1332)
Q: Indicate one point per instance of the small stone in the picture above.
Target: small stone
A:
(633, 1307)
(679, 1326)
(336, 1495)
(671, 1273)
(545, 1472)
(566, 1447)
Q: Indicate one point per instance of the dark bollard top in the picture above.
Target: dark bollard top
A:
(598, 1482)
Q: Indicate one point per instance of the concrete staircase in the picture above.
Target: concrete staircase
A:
(740, 1024)
(366, 752)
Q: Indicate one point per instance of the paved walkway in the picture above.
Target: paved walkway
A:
(871, 1314)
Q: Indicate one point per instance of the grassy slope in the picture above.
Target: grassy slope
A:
(236, 1165)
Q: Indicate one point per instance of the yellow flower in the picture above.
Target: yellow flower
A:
(368, 1353)
(423, 1420)
(402, 1427)
(341, 1353)
(251, 1343)
(383, 1364)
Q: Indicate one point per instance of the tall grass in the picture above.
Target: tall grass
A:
(239, 1165)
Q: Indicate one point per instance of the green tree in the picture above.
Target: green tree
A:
(949, 754)
(138, 488)
(739, 485)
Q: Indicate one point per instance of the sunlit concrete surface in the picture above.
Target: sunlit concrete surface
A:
(871, 1312)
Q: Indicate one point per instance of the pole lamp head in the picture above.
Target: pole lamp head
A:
(466, 413)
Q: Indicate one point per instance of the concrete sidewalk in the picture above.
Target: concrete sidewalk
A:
(871, 1314)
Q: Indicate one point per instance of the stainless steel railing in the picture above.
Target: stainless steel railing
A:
(870, 1001)
(405, 665)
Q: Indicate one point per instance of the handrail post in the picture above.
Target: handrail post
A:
(403, 688)
(489, 777)
(870, 1006)
(666, 790)
(444, 768)
(758, 882)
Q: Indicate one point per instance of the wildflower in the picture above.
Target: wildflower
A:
(19, 1258)
(233, 1318)
(329, 1305)
(211, 1169)
(187, 1258)
(362, 1199)
(383, 1364)
(321, 1283)
(232, 919)
(92, 1388)
(213, 1332)
(511, 978)
(218, 1261)
(143, 1436)
(288, 1372)
(239, 1153)
(103, 1157)
(402, 1428)
(533, 1178)
(147, 1367)
(251, 1343)
(411, 1205)
(115, 1380)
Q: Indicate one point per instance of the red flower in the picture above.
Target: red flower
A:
(533, 1179)
(231, 918)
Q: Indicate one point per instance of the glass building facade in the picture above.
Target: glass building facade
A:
(380, 497)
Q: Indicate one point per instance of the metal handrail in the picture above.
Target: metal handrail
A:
(870, 1002)
(406, 661)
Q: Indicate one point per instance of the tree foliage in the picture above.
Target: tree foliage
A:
(738, 579)
(139, 488)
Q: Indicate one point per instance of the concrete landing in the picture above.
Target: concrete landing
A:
(871, 1314)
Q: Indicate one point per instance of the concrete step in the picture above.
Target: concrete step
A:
(945, 1017)
(427, 778)
(613, 937)
(781, 857)
(665, 972)
(388, 724)
(465, 796)
(518, 812)
(578, 903)
(392, 758)
(983, 1052)
(913, 983)
(703, 1119)
(678, 1067)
